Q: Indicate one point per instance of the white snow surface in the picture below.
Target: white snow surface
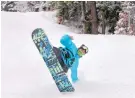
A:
(107, 71)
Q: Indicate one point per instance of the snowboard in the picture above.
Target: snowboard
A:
(46, 50)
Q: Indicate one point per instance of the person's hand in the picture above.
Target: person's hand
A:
(71, 37)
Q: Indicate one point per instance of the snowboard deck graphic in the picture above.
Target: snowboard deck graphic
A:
(46, 50)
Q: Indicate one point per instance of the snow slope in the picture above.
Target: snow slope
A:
(107, 71)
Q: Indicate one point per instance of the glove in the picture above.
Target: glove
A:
(71, 37)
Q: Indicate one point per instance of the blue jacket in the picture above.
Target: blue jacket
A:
(67, 43)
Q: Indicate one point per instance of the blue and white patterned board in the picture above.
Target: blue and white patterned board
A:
(42, 43)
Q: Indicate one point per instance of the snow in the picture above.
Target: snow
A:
(107, 71)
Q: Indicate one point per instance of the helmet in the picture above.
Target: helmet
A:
(82, 50)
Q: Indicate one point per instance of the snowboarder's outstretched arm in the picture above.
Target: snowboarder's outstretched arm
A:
(66, 40)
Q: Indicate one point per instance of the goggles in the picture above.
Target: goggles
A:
(82, 50)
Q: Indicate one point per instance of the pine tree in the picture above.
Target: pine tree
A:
(108, 14)
(7, 5)
(126, 23)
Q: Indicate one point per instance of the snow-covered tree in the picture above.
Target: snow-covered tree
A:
(8, 5)
(23, 6)
(108, 13)
(76, 14)
(122, 24)
(126, 23)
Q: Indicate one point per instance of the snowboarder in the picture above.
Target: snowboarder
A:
(69, 55)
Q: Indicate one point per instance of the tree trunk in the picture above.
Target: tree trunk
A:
(83, 14)
(103, 23)
(94, 20)
(87, 5)
(103, 27)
